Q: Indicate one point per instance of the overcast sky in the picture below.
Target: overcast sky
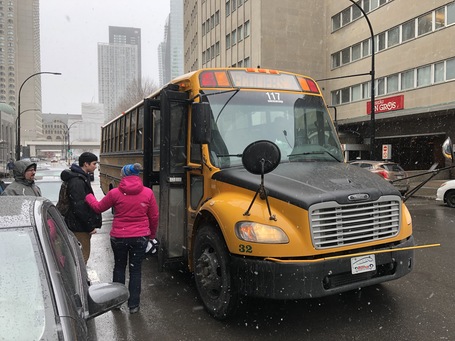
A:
(70, 32)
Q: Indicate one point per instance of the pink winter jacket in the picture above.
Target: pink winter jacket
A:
(135, 208)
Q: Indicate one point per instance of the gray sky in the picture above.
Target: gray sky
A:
(70, 32)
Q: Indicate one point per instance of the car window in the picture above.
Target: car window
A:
(66, 259)
(26, 311)
(392, 167)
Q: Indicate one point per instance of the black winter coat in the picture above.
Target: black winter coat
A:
(80, 217)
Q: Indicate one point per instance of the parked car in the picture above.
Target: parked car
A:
(446, 193)
(45, 292)
(390, 171)
(50, 188)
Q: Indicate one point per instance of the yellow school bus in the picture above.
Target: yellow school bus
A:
(255, 198)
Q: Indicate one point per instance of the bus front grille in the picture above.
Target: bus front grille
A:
(334, 225)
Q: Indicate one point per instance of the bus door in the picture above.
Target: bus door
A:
(173, 159)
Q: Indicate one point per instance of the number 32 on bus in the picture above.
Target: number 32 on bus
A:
(255, 197)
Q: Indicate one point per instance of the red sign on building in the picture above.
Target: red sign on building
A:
(386, 104)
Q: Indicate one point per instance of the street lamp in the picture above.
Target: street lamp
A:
(372, 117)
(18, 143)
(68, 137)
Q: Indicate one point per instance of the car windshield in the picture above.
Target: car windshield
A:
(298, 124)
(392, 167)
(25, 307)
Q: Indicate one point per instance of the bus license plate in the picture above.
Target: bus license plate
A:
(363, 264)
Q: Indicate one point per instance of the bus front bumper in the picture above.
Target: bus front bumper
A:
(297, 280)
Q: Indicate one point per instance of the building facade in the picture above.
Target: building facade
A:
(170, 51)
(414, 66)
(19, 58)
(118, 66)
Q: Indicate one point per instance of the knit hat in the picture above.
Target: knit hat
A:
(131, 169)
(87, 157)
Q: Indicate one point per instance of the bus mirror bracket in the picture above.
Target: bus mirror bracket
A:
(261, 157)
(201, 122)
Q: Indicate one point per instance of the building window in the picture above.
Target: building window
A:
(381, 42)
(451, 13)
(246, 62)
(217, 48)
(393, 36)
(366, 92)
(336, 22)
(336, 60)
(346, 16)
(228, 8)
(380, 89)
(425, 23)
(239, 33)
(246, 31)
(407, 80)
(346, 55)
(424, 76)
(440, 18)
(450, 69)
(439, 72)
(366, 51)
(217, 18)
(228, 41)
(356, 93)
(234, 37)
(356, 52)
(345, 95)
(392, 83)
(408, 30)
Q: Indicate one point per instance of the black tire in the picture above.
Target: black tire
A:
(450, 198)
(211, 264)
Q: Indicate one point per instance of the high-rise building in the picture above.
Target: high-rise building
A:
(19, 59)
(119, 65)
(170, 51)
(331, 41)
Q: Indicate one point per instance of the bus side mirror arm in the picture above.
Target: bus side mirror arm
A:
(201, 119)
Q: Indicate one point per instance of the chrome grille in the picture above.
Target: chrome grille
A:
(333, 225)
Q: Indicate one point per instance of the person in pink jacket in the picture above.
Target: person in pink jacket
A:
(135, 223)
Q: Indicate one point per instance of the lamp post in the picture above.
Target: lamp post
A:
(18, 135)
(68, 137)
(372, 72)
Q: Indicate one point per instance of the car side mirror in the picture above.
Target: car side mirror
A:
(103, 297)
(447, 149)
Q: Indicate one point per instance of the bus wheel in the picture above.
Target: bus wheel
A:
(212, 273)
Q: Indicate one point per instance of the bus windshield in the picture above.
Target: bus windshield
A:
(298, 124)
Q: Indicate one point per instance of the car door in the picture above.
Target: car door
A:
(69, 274)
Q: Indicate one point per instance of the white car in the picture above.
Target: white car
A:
(446, 193)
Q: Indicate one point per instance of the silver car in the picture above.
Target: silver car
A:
(45, 292)
(389, 171)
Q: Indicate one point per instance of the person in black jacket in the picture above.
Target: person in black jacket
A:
(80, 218)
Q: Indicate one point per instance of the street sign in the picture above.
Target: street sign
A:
(386, 151)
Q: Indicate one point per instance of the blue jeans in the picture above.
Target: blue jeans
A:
(134, 249)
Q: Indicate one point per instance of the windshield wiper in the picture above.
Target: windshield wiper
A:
(229, 99)
(316, 153)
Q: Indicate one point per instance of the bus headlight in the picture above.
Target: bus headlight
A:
(260, 233)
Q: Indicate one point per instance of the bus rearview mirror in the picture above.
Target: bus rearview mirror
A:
(201, 123)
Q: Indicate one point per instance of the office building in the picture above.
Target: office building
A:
(170, 51)
(20, 58)
(119, 65)
(331, 42)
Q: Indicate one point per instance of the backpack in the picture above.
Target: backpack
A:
(63, 203)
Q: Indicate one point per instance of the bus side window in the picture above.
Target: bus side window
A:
(178, 137)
